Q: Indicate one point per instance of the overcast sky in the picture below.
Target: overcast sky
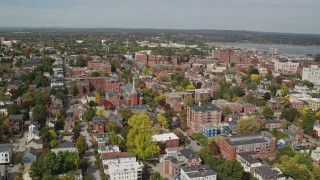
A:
(298, 16)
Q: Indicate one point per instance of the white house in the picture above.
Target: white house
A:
(91, 97)
(248, 160)
(5, 153)
(122, 165)
(202, 172)
(35, 134)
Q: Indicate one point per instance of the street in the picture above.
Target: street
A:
(193, 143)
(93, 170)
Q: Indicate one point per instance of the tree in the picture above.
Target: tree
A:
(139, 139)
(308, 83)
(226, 110)
(188, 101)
(255, 77)
(252, 70)
(289, 114)
(97, 96)
(54, 143)
(73, 88)
(89, 114)
(159, 98)
(114, 138)
(49, 165)
(284, 91)
(111, 126)
(4, 124)
(266, 96)
(39, 114)
(214, 147)
(273, 89)
(81, 144)
(308, 122)
(156, 176)
(13, 109)
(190, 87)
(246, 126)
(231, 169)
(163, 120)
(126, 114)
(267, 113)
(101, 112)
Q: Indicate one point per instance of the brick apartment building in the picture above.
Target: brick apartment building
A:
(98, 65)
(231, 55)
(263, 144)
(236, 108)
(202, 114)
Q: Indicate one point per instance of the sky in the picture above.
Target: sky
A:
(295, 16)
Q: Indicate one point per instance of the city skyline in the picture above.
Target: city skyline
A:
(288, 16)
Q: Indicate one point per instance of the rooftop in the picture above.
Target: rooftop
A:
(204, 107)
(198, 171)
(164, 137)
(5, 147)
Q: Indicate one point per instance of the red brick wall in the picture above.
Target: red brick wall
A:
(172, 143)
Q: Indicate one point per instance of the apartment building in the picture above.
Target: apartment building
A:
(286, 67)
(121, 165)
(311, 74)
(202, 114)
(262, 143)
(314, 103)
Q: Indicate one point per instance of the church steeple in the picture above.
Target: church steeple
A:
(133, 90)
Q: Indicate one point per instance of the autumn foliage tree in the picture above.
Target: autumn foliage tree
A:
(139, 139)
(247, 126)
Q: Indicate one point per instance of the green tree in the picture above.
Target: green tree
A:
(284, 91)
(163, 120)
(139, 139)
(89, 114)
(81, 144)
(190, 87)
(273, 89)
(267, 113)
(252, 70)
(308, 83)
(4, 124)
(226, 110)
(125, 114)
(114, 138)
(54, 143)
(246, 126)
(13, 109)
(39, 114)
(308, 121)
(73, 88)
(289, 114)
(156, 176)
(159, 98)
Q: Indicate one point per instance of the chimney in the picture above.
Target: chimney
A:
(199, 103)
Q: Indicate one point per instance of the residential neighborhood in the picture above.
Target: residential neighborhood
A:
(105, 106)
